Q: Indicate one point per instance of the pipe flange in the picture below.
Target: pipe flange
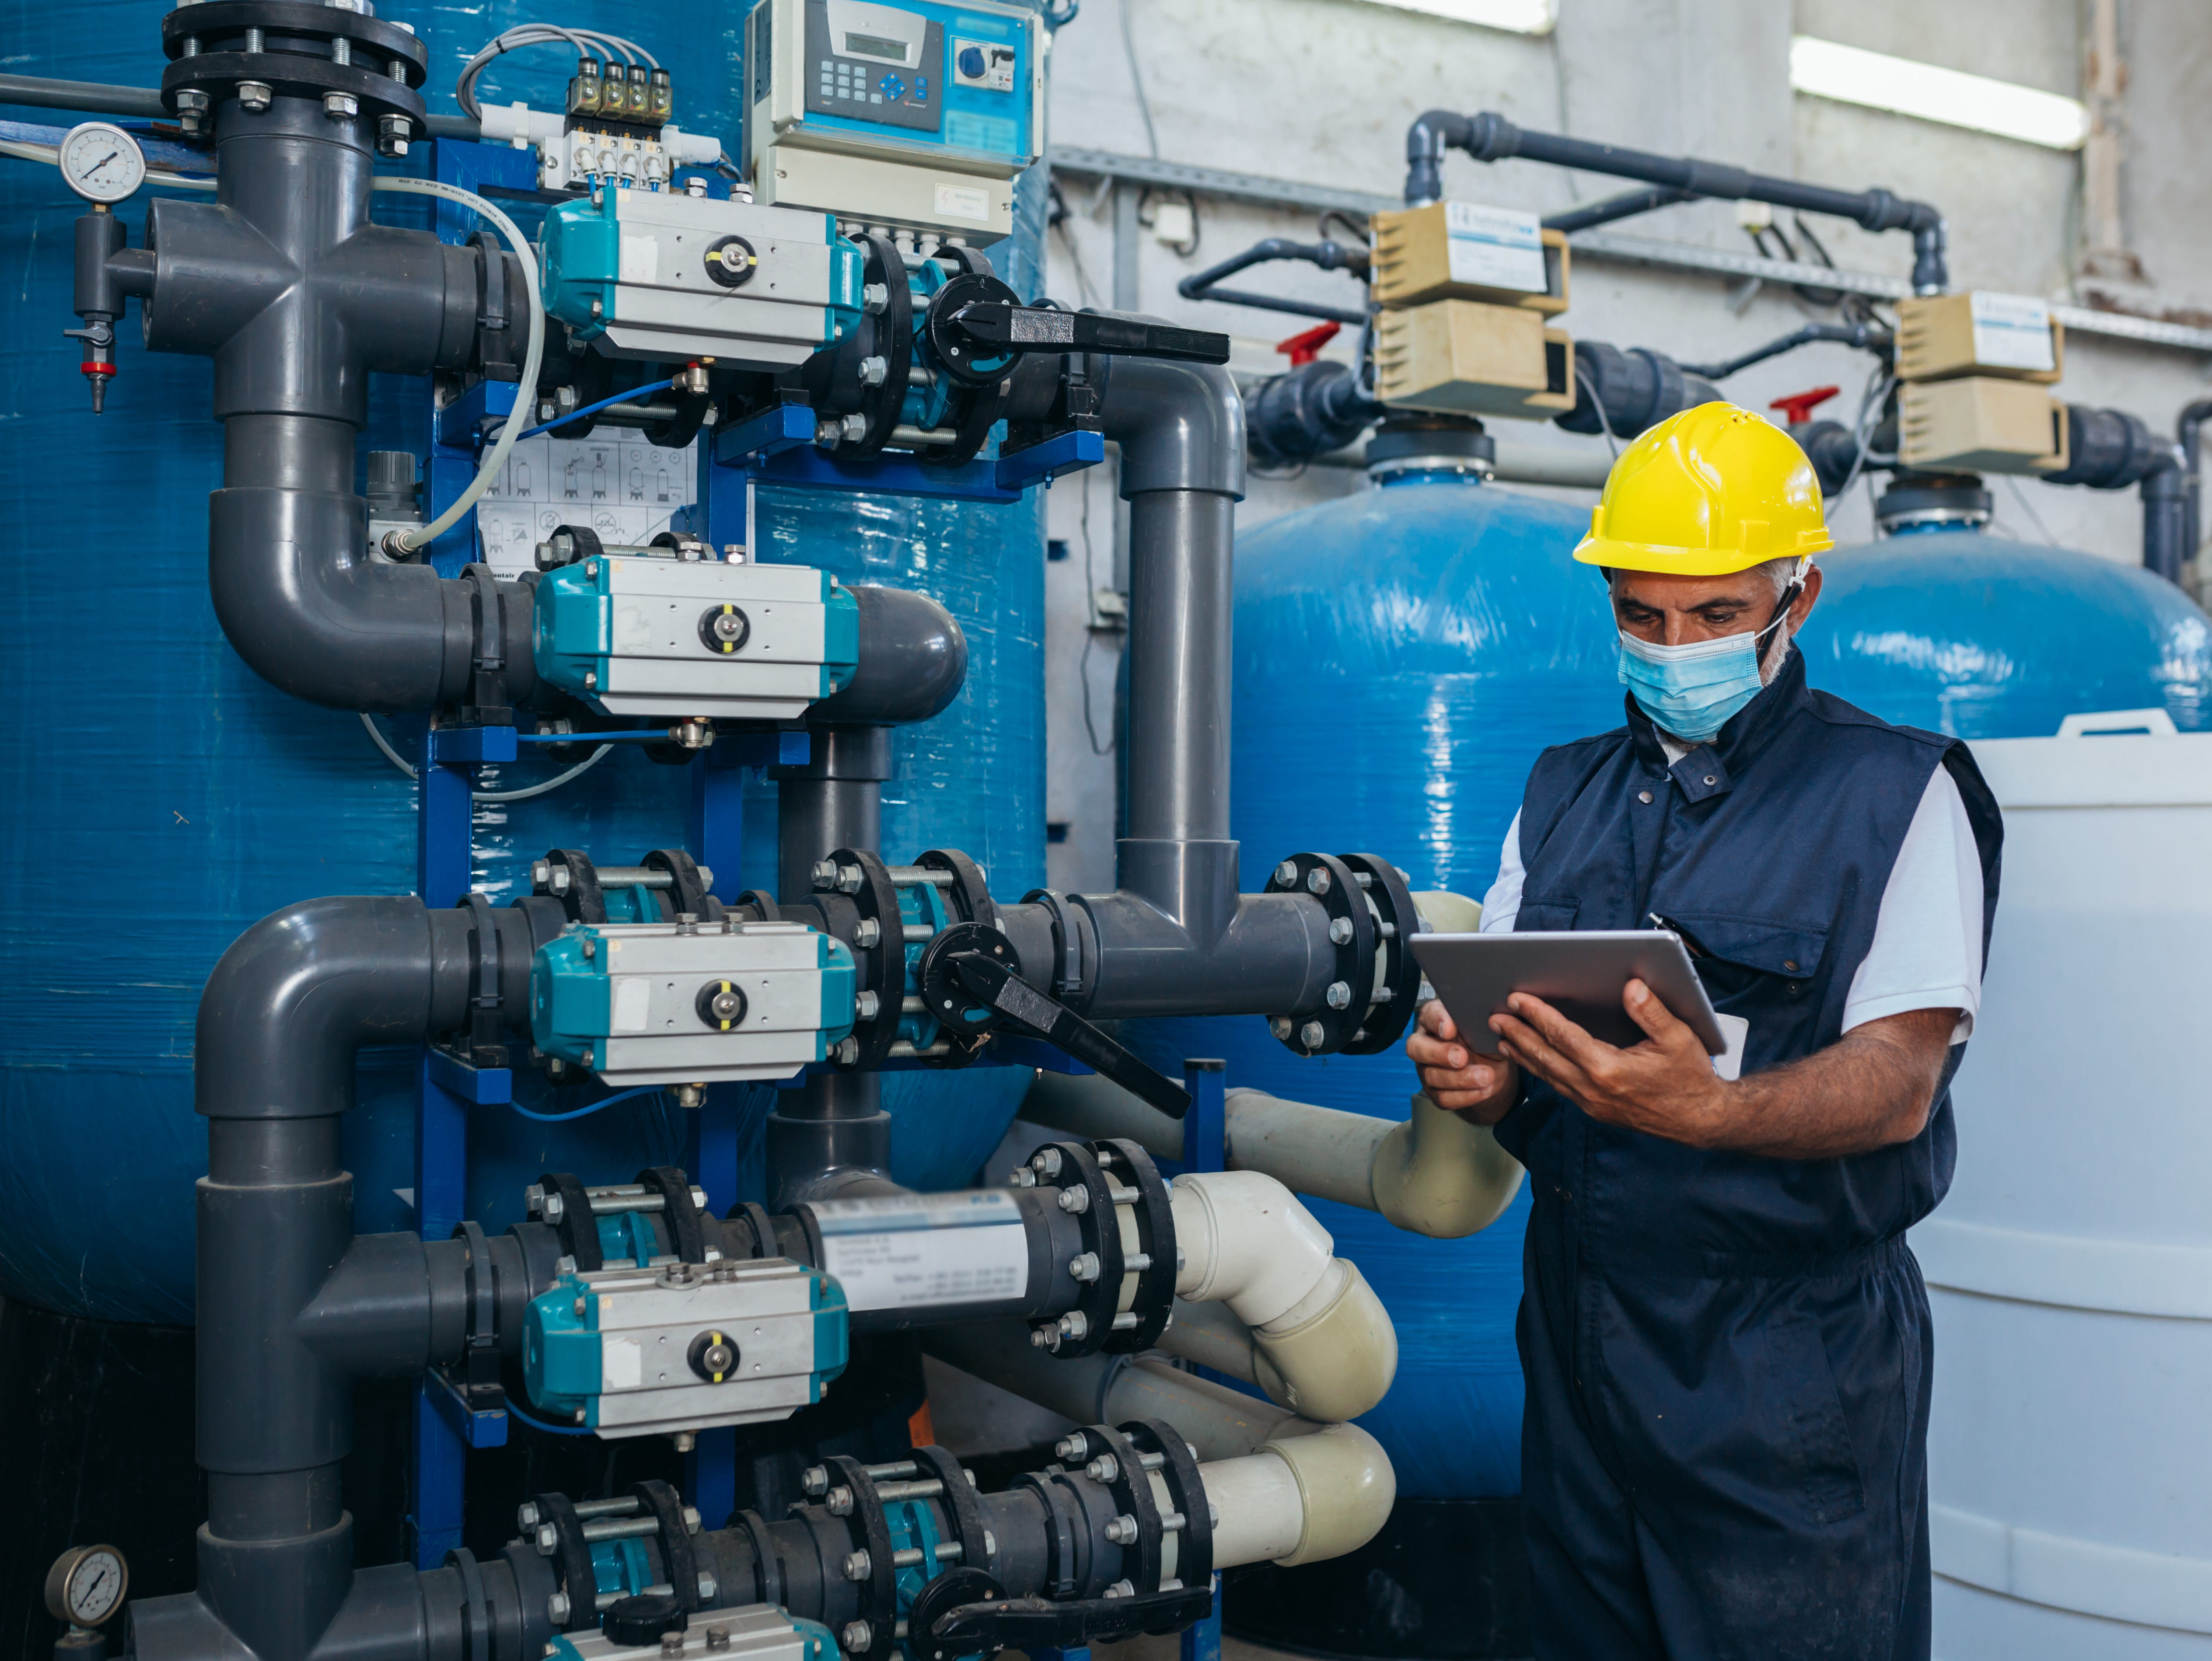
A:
(1070, 1167)
(679, 1561)
(219, 61)
(1351, 930)
(962, 1504)
(1127, 1480)
(1397, 978)
(686, 890)
(756, 1218)
(1067, 945)
(871, 1532)
(762, 904)
(576, 1223)
(476, 1608)
(1152, 1300)
(883, 966)
(561, 1536)
(1061, 1520)
(969, 894)
(572, 878)
(768, 1563)
(680, 1216)
(1187, 1490)
(894, 335)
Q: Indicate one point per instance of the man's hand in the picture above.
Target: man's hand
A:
(1478, 1089)
(1871, 1088)
(1665, 1085)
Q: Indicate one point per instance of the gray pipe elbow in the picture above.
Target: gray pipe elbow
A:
(1180, 425)
(303, 989)
(913, 659)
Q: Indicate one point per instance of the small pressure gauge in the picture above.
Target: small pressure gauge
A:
(86, 1585)
(101, 162)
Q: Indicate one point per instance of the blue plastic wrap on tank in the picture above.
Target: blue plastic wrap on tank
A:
(1975, 635)
(198, 798)
(1401, 656)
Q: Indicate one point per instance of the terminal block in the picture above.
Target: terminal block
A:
(686, 1004)
(634, 1351)
(695, 638)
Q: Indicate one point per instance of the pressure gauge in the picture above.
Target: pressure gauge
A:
(101, 162)
(87, 1583)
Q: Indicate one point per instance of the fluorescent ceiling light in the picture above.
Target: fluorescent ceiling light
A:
(1825, 69)
(1521, 16)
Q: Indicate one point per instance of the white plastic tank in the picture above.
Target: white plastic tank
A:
(2070, 1268)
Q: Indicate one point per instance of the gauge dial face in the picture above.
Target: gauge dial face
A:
(94, 1589)
(101, 162)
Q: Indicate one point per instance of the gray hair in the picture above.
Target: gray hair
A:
(1780, 573)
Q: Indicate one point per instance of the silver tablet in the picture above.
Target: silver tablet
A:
(1579, 974)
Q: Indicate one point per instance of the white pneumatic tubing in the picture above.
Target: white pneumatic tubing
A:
(1301, 1499)
(1320, 1341)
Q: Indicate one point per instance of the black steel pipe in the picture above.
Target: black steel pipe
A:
(1491, 138)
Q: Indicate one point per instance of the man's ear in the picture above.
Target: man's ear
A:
(1801, 608)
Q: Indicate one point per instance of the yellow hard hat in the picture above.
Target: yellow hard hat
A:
(1712, 490)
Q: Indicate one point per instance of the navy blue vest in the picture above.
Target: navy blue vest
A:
(1771, 846)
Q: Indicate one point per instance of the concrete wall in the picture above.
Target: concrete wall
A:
(1321, 92)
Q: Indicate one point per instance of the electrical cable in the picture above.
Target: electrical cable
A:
(1090, 632)
(581, 1113)
(655, 734)
(622, 396)
(538, 34)
(1869, 408)
(1604, 420)
(525, 392)
(1137, 80)
(2028, 508)
(553, 784)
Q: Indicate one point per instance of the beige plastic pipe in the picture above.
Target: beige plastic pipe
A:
(1320, 1340)
(1282, 1488)
(1301, 1499)
(1435, 1174)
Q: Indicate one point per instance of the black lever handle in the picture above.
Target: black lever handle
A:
(1034, 1623)
(1042, 329)
(972, 982)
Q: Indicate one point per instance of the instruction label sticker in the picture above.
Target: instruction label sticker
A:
(907, 1251)
(963, 202)
(1494, 247)
(619, 486)
(2012, 331)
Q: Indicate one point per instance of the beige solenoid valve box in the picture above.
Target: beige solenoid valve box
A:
(1464, 250)
(1462, 357)
(1981, 424)
(2010, 336)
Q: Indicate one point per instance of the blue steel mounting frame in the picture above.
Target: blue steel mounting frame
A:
(445, 1425)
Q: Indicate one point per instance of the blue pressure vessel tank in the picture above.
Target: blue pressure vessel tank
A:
(1401, 656)
(160, 797)
(1963, 632)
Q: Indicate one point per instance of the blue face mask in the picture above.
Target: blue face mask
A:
(1692, 690)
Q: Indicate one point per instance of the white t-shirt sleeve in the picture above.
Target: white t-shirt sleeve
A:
(1503, 903)
(1927, 950)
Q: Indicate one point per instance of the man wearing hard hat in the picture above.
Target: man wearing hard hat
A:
(1725, 1340)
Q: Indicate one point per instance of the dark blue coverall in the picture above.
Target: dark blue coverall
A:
(1728, 1358)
